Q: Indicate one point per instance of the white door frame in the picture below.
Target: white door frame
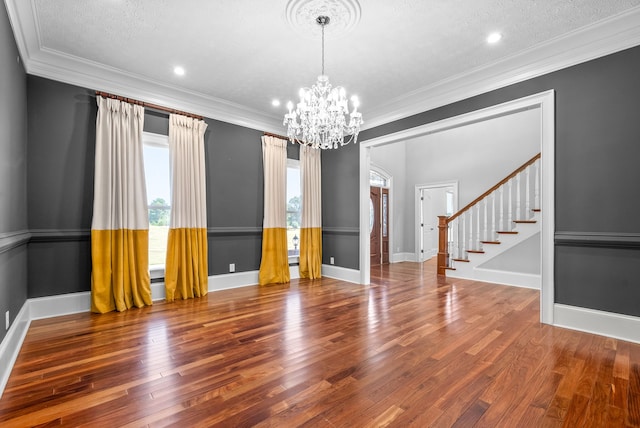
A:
(545, 103)
(418, 210)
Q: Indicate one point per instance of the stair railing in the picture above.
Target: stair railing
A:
(515, 198)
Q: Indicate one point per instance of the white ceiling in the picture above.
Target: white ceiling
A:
(400, 57)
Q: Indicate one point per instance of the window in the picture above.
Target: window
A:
(377, 180)
(449, 194)
(294, 208)
(157, 177)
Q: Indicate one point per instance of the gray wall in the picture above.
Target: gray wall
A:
(61, 166)
(596, 177)
(61, 155)
(340, 222)
(13, 177)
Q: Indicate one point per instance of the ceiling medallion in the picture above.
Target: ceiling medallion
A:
(302, 15)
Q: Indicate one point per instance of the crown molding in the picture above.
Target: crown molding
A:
(81, 72)
(593, 41)
(604, 37)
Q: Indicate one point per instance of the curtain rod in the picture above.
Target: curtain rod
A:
(145, 104)
(282, 137)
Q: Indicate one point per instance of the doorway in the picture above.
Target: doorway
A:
(379, 225)
(433, 201)
(542, 102)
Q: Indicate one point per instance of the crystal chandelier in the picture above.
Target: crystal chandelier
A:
(320, 118)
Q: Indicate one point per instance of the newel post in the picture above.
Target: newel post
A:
(443, 244)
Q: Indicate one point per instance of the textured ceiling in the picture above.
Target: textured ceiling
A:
(239, 55)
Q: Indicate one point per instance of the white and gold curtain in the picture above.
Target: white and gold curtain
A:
(120, 225)
(186, 269)
(274, 265)
(311, 230)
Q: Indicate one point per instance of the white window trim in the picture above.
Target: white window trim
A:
(294, 163)
(160, 141)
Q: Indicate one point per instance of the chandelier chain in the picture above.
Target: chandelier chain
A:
(322, 47)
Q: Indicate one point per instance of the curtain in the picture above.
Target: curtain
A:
(120, 224)
(311, 230)
(186, 269)
(274, 265)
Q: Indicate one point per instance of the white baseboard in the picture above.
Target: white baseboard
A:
(11, 344)
(233, 280)
(515, 279)
(61, 304)
(623, 327)
(73, 303)
(344, 274)
(403, 257)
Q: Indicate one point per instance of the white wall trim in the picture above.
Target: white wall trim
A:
(344, 274)
(545, 102)
(598, 39)
(233, 280)
(618, 326)
(11, 344)
(59, 305)
(403, 257)
(504, 277)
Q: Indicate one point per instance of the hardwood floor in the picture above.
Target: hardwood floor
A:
(409, 350)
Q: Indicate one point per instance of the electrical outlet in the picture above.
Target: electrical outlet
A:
(331, 260)
(232, 267)
(6, 320)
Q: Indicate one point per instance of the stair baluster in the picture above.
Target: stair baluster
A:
(478, 231)
(493, 216)
(509, 206)
(518, 215)
(486, 220)
(464, 231)
(454, 254)
(536, 202)
(501, 224)
(527, 192)
(470, 219)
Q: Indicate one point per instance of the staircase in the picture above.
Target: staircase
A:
(501, 219)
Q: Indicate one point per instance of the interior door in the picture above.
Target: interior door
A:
(426, 223)
(434, 203)
(374, 225)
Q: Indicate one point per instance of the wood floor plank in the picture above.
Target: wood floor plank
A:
(410, 349)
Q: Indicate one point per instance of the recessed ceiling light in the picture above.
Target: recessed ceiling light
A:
(275, 103)
(179, 71)
(494, 38)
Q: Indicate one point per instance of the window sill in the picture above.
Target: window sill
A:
(156, 271)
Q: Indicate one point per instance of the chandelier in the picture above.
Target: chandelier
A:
(320, 118)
